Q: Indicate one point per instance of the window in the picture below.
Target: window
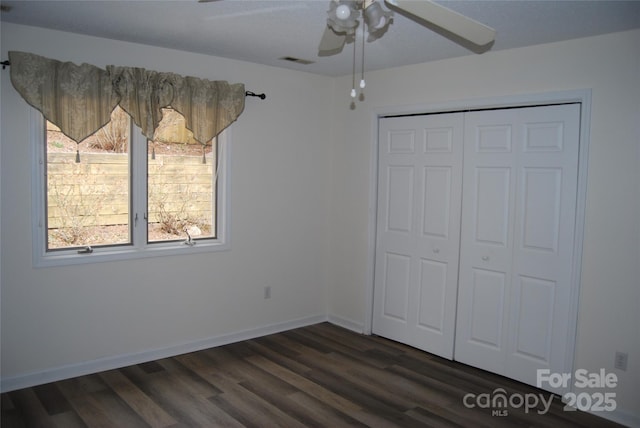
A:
(181, 190)
(116, 195)
(88, 197)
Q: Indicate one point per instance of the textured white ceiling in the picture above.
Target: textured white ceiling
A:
(263, 31)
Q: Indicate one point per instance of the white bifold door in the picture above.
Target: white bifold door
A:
(418, 230)
(475, 236)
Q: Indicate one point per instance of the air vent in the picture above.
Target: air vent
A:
(296, 60)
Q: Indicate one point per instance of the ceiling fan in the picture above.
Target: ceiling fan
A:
(342, 21)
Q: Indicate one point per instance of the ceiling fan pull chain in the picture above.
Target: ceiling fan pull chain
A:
(353, 72)
(362, 83)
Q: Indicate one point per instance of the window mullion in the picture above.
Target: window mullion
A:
(139, 188)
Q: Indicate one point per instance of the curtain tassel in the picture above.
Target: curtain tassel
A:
(77, 156)
(204, 158)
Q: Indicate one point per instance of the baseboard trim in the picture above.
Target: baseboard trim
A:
(346, 323)
(109, 363)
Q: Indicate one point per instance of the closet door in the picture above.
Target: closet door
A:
(418, 226)
(518, 218)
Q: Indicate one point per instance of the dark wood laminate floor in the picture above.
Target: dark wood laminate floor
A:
(316, 376)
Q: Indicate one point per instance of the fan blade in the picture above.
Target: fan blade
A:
(447, 19)
(331, 43)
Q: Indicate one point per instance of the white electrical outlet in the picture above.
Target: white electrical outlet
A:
(267, 292)
(621, 360)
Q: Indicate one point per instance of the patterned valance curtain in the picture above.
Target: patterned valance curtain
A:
(79, 99)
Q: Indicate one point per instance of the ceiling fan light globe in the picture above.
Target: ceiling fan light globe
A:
(342, 17)
(376, 18)
(343, 12)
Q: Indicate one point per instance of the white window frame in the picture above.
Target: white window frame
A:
(140, 248)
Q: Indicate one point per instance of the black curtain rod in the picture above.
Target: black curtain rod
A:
(7, 63)
(252, 94)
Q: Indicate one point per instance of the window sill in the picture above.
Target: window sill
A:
(110, 254)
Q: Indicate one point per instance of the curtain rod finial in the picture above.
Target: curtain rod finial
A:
(253, 94)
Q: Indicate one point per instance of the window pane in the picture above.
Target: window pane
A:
(181, 183)
(88, 201)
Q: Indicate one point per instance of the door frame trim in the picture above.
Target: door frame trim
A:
(582, 96)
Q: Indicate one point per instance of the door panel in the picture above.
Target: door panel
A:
(495, 138)
(534, 298)
(433, 288)
(541, 196)
(400, 198)
(396, 286)
(487, 308)
(543, 248)
(522, 231)
(486, 240)
(419, 192)
(491, 207)
(435, 222)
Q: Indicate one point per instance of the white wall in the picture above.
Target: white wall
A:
(609, 313)
(55, 318)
